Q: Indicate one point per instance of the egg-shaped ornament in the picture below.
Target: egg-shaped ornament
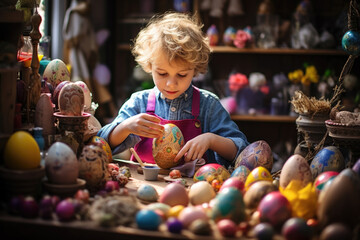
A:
(323, 178)
(256, 175)
(174, 194)
(228, 204)
(105, 146)
(61, 164)
(256, 154)
(71, 100)
(93, 167)
(201, 192)
(213, 35)
(210, 172)
(351, 42)
(55, 96)
(229, 36)
(327, 159)
(87, 95)
(166, 147)
(56, 72)
(241, 172)
(21, 152)
(295, 168)
(256, 192)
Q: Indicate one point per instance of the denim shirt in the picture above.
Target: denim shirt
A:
(213, 117)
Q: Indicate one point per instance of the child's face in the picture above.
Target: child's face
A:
(172, 79)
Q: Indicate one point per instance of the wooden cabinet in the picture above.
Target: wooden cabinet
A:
(131, 16)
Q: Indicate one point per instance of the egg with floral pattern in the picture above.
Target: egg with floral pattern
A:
(56, 72)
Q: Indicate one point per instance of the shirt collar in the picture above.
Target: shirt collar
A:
(186, 95)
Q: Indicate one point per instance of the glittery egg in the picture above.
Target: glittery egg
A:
(166, 147)
(93, 167)
(256, 154)
(275, 209)
(256, 175)
(327, 159)
(104, 144)
(71, 100)
(323, 178)
(241, 172)
(229, 36)
(87, 94)
(295, 168)
(56, 72)
(210, 172)
(228, 204)
(61, 164)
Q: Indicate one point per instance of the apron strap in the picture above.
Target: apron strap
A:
(195, 105)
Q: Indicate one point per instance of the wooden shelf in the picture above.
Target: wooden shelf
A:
(264, 118)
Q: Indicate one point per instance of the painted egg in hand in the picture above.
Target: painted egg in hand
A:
(256, 154)
(166, 147)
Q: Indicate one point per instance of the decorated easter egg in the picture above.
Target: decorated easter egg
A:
(174, 194)
(256, 192)
(166, 147)
(213, 35)
(228, 204)
(241, 172)
(233, 182)
(105, 146)
(190, 214)
(147, 193)
(210, 172)
(21, 152)
(229, 36)
(56, 72)
(256, 175)
(256, 154)
(295, 168)
(147, 219)
(327, 159)
(296, 229)
(323, 178)
(55, 96)
(93, 167)
(87, 95)
(201, 192)
(71, 100)
(61, 164)
(275, 209)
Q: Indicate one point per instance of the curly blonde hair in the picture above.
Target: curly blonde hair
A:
(178, 35)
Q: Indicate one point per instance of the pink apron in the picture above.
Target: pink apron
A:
(190, 128)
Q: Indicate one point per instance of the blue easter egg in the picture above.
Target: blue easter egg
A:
(327, 159)
(351, 42)
(147, 219)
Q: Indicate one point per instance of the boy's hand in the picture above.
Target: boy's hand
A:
(195, 148)
(145, 125)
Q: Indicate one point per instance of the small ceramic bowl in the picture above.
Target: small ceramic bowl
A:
(151, 173)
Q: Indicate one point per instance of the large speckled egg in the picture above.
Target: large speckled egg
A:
(93, 167)
(71, 100)
(255, 155)
(256, 192)
(166, 147)
(275, 209)
(327, 159)
(256, 175)
(211, 171)
(56, 72)
(323, 178)
(241, 172)
(201, 192)
(295, 168)
(104, 144)
(61, 164)
(228, 204)
(55, 96)
(174, 194)
(21, 152)
(339, 202)
(87, 94)
(147, 193)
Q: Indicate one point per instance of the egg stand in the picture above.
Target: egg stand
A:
(75, 124)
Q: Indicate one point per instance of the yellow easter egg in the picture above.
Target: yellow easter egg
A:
(104, 144)
(175, 211)
(21, 152)
(258, 174)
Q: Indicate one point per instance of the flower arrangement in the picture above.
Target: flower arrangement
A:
(311, 75)
(237, 81)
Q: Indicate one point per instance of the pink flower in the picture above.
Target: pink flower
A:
(241, 38)
(237, 81)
